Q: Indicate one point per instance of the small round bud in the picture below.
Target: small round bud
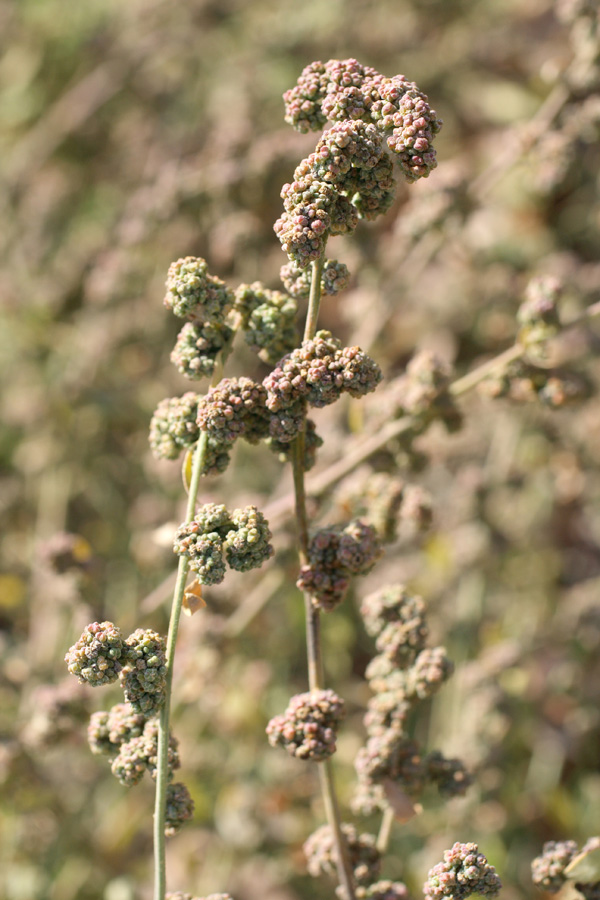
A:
(94, 659)
(173, 426)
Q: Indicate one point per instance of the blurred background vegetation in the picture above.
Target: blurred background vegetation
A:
(135, 133)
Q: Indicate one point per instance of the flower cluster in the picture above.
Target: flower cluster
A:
(268, 319)
(550, 871)
(423, 392)
(463, 872)
(215, 536)
(404, 673)
(385, 502)
(344, 90)
(180, 808)
(334, 555)
(312, 442)
(192, 293)
(384, 890)
(335, 277)
(143, 678)
(317, 373)
(198, 345)
(108, 730)
(174, 426)
(365, 859)
(235, 407)
(95, 657)
(309, 725)
(523, 382)
(140, 754)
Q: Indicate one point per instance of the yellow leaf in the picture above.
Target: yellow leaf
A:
(192, 598)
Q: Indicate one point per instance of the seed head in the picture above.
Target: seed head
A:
(309, 725)
(464, 871)
(194, 294)
(95, 657)
(180, 808)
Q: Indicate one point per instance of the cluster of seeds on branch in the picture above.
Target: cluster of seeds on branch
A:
(143, 678)
(523, 382)
(335, 277)
(235, 407)
(215, 537)
(549, 871)
(194, 294)
(383, 890)
(197, 348)
(463, 872)
(365, 859)
(268, 319)
(308, 728)
(312, 442)
(423, 393)
(96, 657)
(317, 373)
(335, 554)
(385, 502)
(404, 673)
(128, 733)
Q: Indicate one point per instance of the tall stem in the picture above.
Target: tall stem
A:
(316, 677)
(162, 777)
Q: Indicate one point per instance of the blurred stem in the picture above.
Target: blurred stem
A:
(383, 838)
(162, 776)
(316, 677)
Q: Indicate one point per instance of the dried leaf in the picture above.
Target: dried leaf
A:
(401, 804)
(192, 598)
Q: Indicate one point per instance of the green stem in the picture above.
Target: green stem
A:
(383, 838)
(162, 776)
(316, 677)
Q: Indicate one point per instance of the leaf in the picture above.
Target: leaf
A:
(193, 599)
(186, 470)
(401, 804)
(585, 867)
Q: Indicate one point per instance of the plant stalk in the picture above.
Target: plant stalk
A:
(316, 677)
(162, 779)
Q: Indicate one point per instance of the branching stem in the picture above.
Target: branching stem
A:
(313, 623)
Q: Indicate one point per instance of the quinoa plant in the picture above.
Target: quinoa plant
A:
(378, 128)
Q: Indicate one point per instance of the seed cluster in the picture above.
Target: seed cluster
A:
(268, 320)
(96, 657)
(236, 407)
(548, 870)
(317, 373)
(216, 536)
(335, 277)
(140, 754)
(312, 442)
(197, 347)
(334, 555)
(143, 678)
(404, 673)
(365, 859)
(192, 293)
(180, 808)
(108, 730)
(308, 728)
(463, 872)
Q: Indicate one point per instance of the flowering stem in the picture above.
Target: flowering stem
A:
(162, 777)
(316, 677)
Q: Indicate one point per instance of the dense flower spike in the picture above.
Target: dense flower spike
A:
(95, 658)
(180, 808)
(365, 858)
(197, 347)
(309, 725)
(194, 294)
(464, 871)
(548, 870)
(303, 101)
(334, 278)
(247, 543)
(144, 676)
(396, 619)
(174, 426)
(235, 407)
